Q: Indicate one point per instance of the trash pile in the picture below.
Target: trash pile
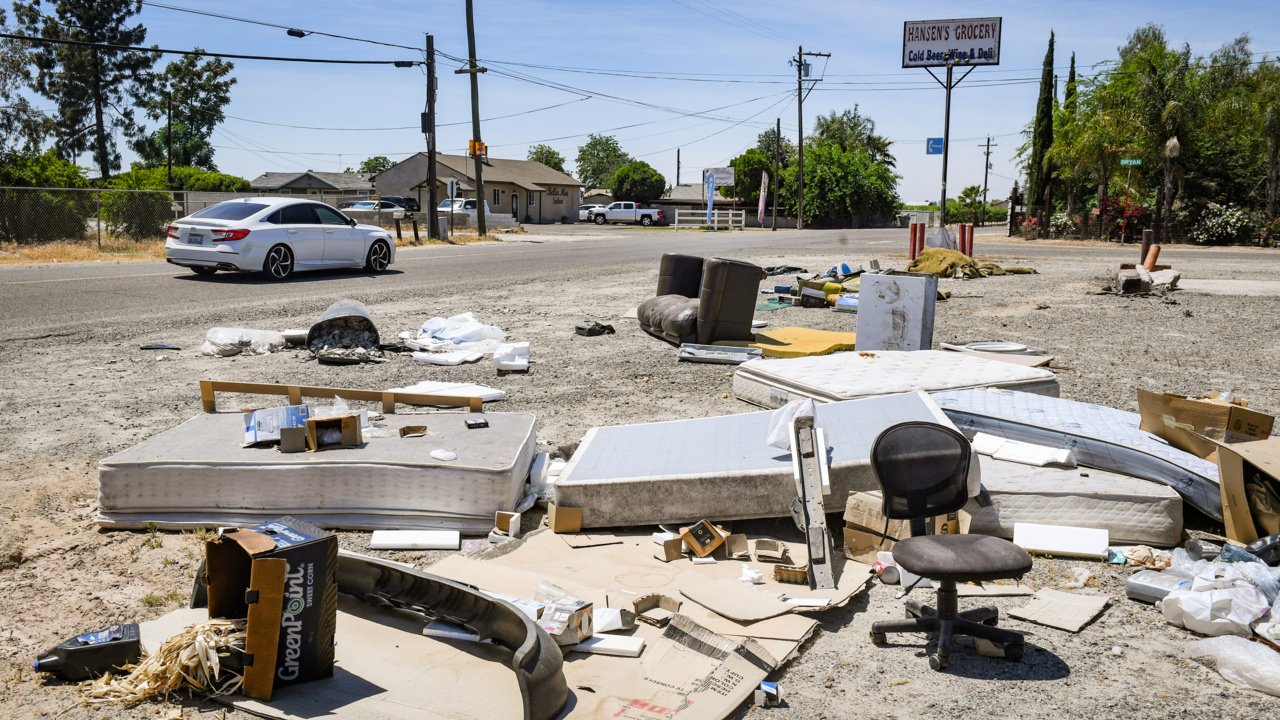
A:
(345, 335)
(641, 590)
(1145, 278)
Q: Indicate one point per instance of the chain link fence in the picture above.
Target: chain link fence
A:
(31, 216)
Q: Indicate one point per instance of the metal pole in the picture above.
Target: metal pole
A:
(475, 119)
(1124, 222)
(777, 148)
(677, 167)
(946, 147)
(168, 135)
(800, 147)
(433, 214)
(99, 218)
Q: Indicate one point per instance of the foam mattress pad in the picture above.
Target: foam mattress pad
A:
(198, 474)
(850, 375)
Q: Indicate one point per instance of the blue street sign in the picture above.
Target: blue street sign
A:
(933, 146)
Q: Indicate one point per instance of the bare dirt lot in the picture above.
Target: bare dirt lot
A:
(69, 401)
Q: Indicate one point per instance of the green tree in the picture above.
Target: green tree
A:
(841, 185)
(195, 92)
(546, 155)
(747, 170)
(767, 142)
(34, 216)
(598, 159)
(971, 201)
(194, 179)
(22, 125)
(95, 89)
(1038, 175)
(376, 164)
(851, 129)
(637, 182)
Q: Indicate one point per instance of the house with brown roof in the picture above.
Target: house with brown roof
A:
(525, 189)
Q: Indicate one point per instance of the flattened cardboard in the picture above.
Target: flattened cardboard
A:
(348, 424)
(1197, 426)
(263, 640)
(672, 549)
(737, 600)
(1061, 610)
(564, 519)
(1247, 473)
(584, 540)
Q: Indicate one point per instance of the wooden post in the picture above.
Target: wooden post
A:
(398, 235)
(911, 252)
(416, 239)
(970, 253)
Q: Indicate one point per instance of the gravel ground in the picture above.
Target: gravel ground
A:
(70, 402)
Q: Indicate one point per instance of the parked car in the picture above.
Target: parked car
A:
(384, 205)
(627, 212)
(407, 203)
(584, 211)
(463, 205)
(276, 236)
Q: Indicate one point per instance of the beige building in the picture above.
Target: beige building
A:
(527, 190)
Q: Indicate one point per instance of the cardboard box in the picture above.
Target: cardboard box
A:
(567, 622)
(656, 610)
(564, 519)
(283, 576)
(265, 425)
(507, 523)
(1198, 425)
(348, 424)
(293, 439)
(1249, 477)
(866, 533)
(672, 549)
(702, 538)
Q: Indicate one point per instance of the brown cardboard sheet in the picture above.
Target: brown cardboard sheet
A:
(1062, 610)
(1249, 478)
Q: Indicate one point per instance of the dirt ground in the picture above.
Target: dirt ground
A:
(69, 404)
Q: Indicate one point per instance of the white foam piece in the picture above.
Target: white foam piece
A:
(415, 540)
(606, 619)
(620, 645)
(1021, 452)
(1061, 540)
(436, 387)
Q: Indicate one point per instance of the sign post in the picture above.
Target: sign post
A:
(1130, 163)
(709, 186)
(764, 193)
(946, 43)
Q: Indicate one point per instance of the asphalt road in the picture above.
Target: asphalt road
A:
(78, 300)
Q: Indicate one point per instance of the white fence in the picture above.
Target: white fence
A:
(719, 219)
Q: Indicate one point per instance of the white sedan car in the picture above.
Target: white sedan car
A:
(277, 236)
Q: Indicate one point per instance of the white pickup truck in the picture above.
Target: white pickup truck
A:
(626, 212)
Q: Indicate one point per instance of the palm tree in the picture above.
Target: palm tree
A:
(971, 199)
(852, 130)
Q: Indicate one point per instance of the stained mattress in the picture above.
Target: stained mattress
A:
(1099, 437)
(720, 468)
(197, 474)
(1132, 510)
(851, 375)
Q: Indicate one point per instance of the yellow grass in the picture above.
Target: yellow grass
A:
(112, 250)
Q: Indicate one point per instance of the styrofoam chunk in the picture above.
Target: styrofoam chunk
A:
(415, 540)
(1061, 540)
(619, 645)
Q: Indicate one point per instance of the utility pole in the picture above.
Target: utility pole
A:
(677, 167)
(946, 132)
(429, 128)
(800, 73)
(168, 136)
(777, 150)
(986, 168)
(474, 72)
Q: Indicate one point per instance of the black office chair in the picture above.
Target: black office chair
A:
(923, 471)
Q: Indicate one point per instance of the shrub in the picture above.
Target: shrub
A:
(1221, 225)
(1061, 225)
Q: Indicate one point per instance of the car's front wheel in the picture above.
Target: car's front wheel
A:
(599, 219)
(279, 263)
(379, 257)
(204, 270)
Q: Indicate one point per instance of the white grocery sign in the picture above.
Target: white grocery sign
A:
(927, 43)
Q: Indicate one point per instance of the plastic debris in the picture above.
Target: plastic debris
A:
(512, 356)
(1240, 661)
(444, 455)
(225, 342)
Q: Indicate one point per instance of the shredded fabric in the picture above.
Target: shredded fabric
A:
(943, 262)
(190, 659)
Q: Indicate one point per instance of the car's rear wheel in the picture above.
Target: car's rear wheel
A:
(379, 257)
(279, 263)
(599, 219)
(646, 221)
(204, 270)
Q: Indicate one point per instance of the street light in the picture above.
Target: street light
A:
(294, 32)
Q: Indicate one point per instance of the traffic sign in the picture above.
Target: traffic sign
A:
(1130, 161)
(933, 146)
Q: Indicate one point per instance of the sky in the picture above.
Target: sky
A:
(716, 75)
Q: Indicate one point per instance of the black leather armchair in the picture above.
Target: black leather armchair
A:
(702, 301)
(923, 471)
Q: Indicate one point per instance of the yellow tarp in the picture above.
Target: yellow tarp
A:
(942, 262)
(791, 342)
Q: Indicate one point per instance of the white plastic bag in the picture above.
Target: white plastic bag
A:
(780, 422)
(512, 356)
(1220, 601)
(224, 342)
(460, 329)
(1240, 661)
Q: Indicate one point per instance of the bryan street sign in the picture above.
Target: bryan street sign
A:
(1130, 161)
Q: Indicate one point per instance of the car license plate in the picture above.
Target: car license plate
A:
(195, 239)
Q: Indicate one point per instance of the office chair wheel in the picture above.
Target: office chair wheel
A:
(937, 662)
(878, 638)
(1013, 653)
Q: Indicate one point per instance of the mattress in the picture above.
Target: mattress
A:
(1134, 511)
(197, 474)
(851, 375)
(720, 468)
(1098, 437)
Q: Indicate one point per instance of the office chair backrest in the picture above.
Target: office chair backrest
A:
(923, 470)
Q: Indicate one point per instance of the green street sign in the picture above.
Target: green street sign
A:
(1130, 161)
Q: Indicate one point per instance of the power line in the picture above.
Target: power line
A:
(401, 127)
(200, 53)
(274, 25)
